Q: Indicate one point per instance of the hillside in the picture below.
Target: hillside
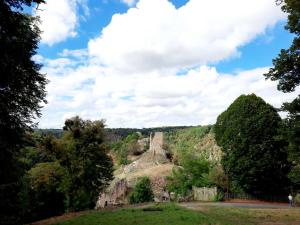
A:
(164, 153)
(198, 141)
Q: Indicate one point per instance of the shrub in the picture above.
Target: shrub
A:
(142, 192)
(219, 197)
(193, 172)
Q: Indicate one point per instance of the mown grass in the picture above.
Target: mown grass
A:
(176, 215)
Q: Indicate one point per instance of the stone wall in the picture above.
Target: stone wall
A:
(204, 193)
(114, 196)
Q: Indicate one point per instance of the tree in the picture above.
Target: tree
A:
(85, 157)
(44, 191)
(286, 69)
(22, 89)
(67, 173)
(287, 64)
(254, 152)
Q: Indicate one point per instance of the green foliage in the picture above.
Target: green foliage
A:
(46, 176)
(193, 172)
(85, 157)
(67, 173)
(43, 191)
(294, 176)
(254, 152)
(142, 192)
(22, 89)
(287, 64)
(219, 197)
(287, 71)
(292, 132)
(122, 148)
(218, 178)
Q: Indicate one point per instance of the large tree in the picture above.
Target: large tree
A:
(66, 173)
(85, 157)
(286, 70)
(22, 89)
(254, 159)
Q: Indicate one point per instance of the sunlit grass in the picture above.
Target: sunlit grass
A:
(176, 215)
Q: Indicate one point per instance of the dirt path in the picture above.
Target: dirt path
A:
(250, 205)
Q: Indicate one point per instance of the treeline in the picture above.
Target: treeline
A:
(118, 133)
(124, 132)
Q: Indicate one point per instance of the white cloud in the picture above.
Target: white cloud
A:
(155, 35)
(129, 74)
(154, 99)
(59, 19)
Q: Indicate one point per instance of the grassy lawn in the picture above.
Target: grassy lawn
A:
(175, 215)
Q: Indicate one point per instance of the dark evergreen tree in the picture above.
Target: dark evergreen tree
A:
(255, 157)
(22, 89)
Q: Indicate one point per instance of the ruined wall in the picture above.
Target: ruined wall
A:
(156, 152)
(115, 195)
(153, 164)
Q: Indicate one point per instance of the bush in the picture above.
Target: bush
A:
(219, 197)
(142, 192)
(193, 172)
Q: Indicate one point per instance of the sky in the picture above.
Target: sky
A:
(149, 63)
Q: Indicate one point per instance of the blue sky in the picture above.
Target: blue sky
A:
(156, 62)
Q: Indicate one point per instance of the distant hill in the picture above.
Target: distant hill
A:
(118, 133)
(55, 132)
(124, 132)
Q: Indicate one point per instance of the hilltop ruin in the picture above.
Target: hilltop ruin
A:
(153, 164)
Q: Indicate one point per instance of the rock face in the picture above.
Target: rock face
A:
(114, 196)
(153, 164)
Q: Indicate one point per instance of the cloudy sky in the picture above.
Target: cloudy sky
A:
(149, 63)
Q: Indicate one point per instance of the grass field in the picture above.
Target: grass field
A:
(176, 215)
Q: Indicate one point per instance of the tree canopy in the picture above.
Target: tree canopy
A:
(254, 155)
(286, 70)
(287, 64)
(22, 90)
(66, 173)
